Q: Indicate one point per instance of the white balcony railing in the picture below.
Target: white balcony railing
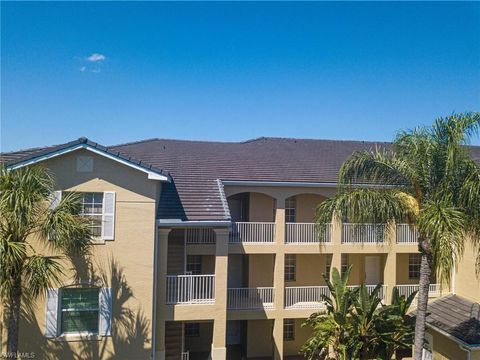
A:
(406, 234)
(199, 236)
(434, 290)
(370, 289)
(190, 289)
(363, 233)
(185, 355)
(250, 298)
(253, 232)
(305, 297)
(308, 233)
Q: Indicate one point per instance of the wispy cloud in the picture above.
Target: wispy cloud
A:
(96, 57)
(92, 63)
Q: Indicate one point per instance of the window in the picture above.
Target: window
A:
(194, 264)
(344, 263)
(328, 265)
(92, 207)
(79, 310)
(288, 329)
(414, 261)
(192, 329)
(290, 209)
(290, 265)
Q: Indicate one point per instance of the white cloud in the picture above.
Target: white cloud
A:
(95, 57)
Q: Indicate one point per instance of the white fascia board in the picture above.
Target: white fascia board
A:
(177, 223)
(151, 174)
(296, 184)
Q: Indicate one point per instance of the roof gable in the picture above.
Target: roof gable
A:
(33, 157)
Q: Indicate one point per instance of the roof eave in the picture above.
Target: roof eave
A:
(95, 148)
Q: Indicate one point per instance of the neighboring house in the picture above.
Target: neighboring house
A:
(208, 249)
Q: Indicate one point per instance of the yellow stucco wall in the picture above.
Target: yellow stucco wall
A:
(302, 334)
(309, 270)
(113, 264)
(445, 349)
(259, 338)
(260, 271)
(306, 206)
(261, 207)
(467, 282)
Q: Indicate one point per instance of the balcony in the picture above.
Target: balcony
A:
(194, 236)
(308, 233)
(434, 290)
(251, 298)
(190, 289)
(252, 233)
(370, 289)
(305, 297)
(406, 234)
(369, 234)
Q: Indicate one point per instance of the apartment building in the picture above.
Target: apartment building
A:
(209, 250)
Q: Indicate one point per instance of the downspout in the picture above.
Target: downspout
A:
(454, 270)
(468, 351)
(154, 310)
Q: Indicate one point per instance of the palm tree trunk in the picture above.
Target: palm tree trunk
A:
(13, 317)
(424, 284)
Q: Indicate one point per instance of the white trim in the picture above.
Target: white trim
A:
(154, 303)
(151, 174)
(297, 184)
(177, 223)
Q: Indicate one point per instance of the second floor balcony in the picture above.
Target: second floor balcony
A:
(190, 289)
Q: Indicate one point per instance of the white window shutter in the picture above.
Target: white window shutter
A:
(105, 313)
(108, 219)
(51, 313)
(56, 198)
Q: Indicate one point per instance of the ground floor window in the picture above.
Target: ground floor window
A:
(289, 329)
(80, 310)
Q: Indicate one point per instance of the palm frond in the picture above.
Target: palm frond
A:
(368, 206)
(41, 273)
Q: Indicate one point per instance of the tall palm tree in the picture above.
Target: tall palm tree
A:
(30, 214)
(428, 179)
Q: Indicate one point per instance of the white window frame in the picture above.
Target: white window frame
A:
(288, 329)
(291, 209)
(94, 215)
(290, 267)
(414, 264)
(61, 311)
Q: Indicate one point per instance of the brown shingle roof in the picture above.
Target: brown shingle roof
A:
(195, 166)
(457, 317)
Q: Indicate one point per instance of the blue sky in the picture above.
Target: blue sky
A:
(124, 71)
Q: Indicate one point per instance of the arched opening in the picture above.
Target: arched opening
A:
(252, 207)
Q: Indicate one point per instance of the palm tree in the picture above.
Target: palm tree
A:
(30, 214)
(331, 328)
(427, 179)
(356, 325)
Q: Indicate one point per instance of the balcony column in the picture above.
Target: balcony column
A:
(162, 256)
(336, 245)
(278, 338)
(390, 275)
(219, 347)
(279, 268)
